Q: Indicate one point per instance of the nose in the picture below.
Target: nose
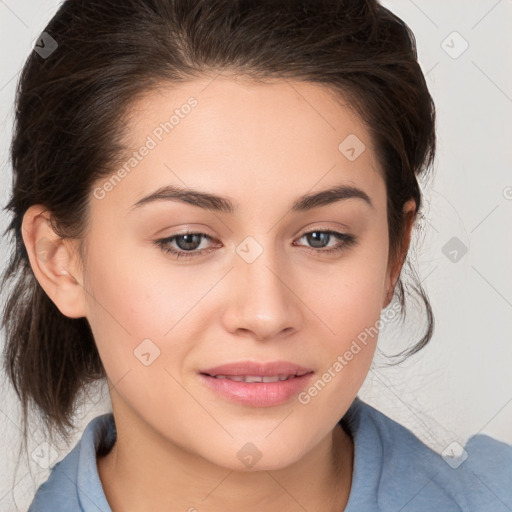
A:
(262, 303)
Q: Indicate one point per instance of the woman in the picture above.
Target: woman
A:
(213, 202)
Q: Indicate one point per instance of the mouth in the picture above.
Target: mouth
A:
(257, 378)
(256, 369)
(257, 384)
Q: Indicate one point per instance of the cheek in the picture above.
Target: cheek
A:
(349, 303)
(125, 306)
(349, 297)
(351, 312)
(126, 289)
(133, 299)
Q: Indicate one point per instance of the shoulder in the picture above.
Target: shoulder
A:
(402, 473)
(74, 483)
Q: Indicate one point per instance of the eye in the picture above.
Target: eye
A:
(321, 238)
(187, 245)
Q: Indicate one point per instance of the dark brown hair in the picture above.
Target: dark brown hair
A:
(70, 106)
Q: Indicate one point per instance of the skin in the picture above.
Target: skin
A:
(263, 146)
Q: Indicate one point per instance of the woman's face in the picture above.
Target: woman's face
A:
(263, 283)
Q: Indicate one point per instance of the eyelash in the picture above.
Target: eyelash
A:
(346, 242)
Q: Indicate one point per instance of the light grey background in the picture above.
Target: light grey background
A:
(461, 384)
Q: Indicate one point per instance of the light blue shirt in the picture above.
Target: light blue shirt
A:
(393, 471)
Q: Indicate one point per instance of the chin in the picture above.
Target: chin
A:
(251, 457)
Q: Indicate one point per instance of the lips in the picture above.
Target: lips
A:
(257, 384)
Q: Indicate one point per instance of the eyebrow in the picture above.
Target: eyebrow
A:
(225, 205)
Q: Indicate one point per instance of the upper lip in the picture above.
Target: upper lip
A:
(257, 369)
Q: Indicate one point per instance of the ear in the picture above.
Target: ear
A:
(54, 261)
(395, 266)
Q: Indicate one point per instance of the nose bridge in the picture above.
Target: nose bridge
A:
(262, 302)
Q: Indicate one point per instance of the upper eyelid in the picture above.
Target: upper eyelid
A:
(302, 233)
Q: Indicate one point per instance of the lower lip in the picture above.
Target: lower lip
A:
(257, 394)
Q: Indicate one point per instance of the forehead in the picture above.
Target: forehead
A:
(223, 132)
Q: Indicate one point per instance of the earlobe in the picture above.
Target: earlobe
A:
(53, 261)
